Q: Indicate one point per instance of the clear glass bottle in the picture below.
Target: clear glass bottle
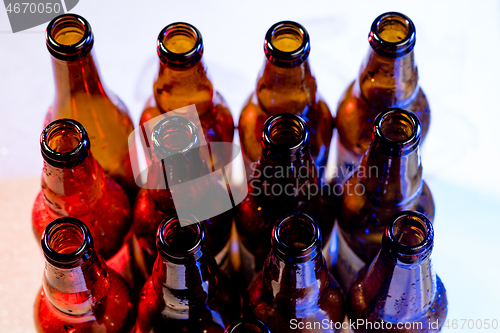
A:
(400, 285)
(286, 84)
(186, 292)
(79, 293)
(295, 290)
(81, 95)
(388, 78)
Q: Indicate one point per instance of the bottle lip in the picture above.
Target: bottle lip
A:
(246, 325)
(282, 58)
(309, 238)
(295, 125)
(408, 122)
(69, 52)
(69, 158)
(413, 226)
(180, 60)
(173, 230)
(174, 125)
(71, 259)
(392, 49)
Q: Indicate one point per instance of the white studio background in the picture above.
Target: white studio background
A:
(457, 50)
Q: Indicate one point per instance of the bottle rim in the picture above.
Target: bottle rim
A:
(245, 324)
(408, 131)
(70, 158)
(387, 48)
(178, 126)
(282, 58)
(52, 236)
(73, 51)
(180, 60)
(293, 246)
(296, 130)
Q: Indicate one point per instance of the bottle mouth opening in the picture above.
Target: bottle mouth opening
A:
(179, 239)
(410, 236)
(67, 241)
(174, 135)
(64, 142)
(69, 37)
(248, 326)
(180, 45)
(392, 34)
(287, 44)
(296, 238)
(396, 132)
(285, 132)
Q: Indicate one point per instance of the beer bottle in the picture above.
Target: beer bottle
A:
(81, 95)
(388, 180)
(286, 84)
(400, 286)
(179, 181)
(186, 292)
(247, 325)
(388, 78)
(74, 184)
(79, 293)
(285, 181)
(182, 81)
(295, 290)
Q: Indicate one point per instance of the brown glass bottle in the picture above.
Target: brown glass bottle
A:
(186, 292)
(285, 181)
(286, 84)
(79, 293)
(294, 290)
(388, 77)
(388, 180)
(182, 81)
(400, 286)
(81, 95)
(246, 325)
(178, 159)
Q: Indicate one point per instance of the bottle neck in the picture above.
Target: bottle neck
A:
(281, 89)
(176, 88)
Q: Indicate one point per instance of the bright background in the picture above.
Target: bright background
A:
(457, 50)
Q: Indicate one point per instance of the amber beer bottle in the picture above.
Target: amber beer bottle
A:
(247, 325)
(79, 293)
(400, 285)
(182, 80)
(81, 95)
(388, 78)
(285, 181)
(286, 84)
(178, 158)
(74, 184)
(295, 291)
(186, 292)
(388, 180)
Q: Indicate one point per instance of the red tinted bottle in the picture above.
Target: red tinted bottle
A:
(400, 285)
(285, 181)
(387, 78)
(82, 95)
(388, 180)
(79, 293)
(179, 182)
(186, 292)
(247, 325)
(295, 290)
(286, 84)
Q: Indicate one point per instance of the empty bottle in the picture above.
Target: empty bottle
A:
(81, 95)
(247, 325)
(286, 84)
(399, 291)
(388, 180)
(295, 290)
(186, 292)
(388, 78)
(79, 293)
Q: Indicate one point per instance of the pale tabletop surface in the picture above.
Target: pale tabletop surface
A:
(457, 51)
